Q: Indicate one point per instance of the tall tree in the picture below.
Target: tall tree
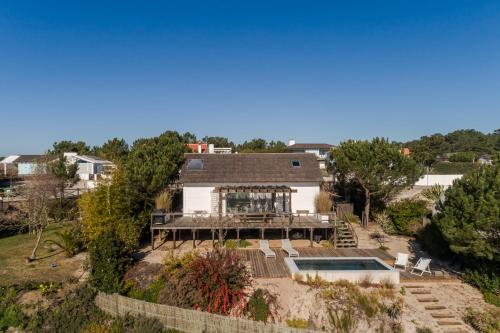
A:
(66, 146)
(469, 217)
(38, 192)
(219, 141)
(153, 163)
(378, 167)
(115, 150)
(64, 172)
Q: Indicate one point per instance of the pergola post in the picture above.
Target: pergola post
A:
(173, 234)
(238, 236)
(194, 238)
(311, 231)
(152, 239)
(287, 231)
(220, 204)
(213, 237)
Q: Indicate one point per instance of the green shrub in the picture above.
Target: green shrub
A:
(423, 330)
(261, 306)
(406, 215)
(483, 322)
(11, 314)
(466, 156)
(297, 323)
(487, 282)
(452, 168)
(73, 315)
(109, 260)
(323, 203)
(70, 241)
(433, 242)
(150, 294)
(232, 244)
(343, 321)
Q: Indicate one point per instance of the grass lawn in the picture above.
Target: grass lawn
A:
(14, 269)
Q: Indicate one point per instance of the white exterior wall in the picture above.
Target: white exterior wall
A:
(430, 180)
(197, 198)
(303, 199)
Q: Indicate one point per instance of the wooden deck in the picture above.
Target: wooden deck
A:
(308, 224)
(276, 268)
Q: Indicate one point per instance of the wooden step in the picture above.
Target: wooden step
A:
(448, 323)
(435, 307)
(456, 330)
(442, 315)
(421, 292)
(427, 300)
(413, 287)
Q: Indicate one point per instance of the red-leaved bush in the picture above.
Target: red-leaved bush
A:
(214, 282)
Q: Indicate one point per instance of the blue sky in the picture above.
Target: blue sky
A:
(319, 71)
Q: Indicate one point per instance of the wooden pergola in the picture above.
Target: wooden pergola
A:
(273, 189)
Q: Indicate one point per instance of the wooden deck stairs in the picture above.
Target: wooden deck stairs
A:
(344, 235)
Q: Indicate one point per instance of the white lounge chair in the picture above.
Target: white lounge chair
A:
(423, 265)
(401, 260)
(264, 248)
(287, 247)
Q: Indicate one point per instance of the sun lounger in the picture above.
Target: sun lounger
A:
(401, 260)
(287, 247)
(264, 248)
(423, 265)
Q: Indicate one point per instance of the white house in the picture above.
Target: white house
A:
(250, 183)
(21, 165)
(90, 168)
(321, 150)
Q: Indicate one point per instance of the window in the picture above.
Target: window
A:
(195, 164)
(296, 163)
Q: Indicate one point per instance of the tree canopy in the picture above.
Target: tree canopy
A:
(154, 162)
(114, 150)
(378, 166)
(261, 146)
(469, 218)
(65, 146)
(426, 149)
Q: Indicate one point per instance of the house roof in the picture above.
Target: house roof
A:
(252, 168)
(21, 159)
(28, 158)
(93, 159)
(9, 159)
(302, 146)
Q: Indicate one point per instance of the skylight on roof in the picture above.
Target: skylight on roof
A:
(195, 164)
(296, 163)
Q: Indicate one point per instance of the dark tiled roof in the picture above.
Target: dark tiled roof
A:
(252, 168)
(28, 158)
(302, 146)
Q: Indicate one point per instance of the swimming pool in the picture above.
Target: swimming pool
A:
(353, 269)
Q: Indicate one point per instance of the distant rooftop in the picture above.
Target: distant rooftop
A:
(301, 146)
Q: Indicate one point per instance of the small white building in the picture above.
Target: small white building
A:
(90, 168)
(222, 184)
(321, 150)
(22, 165)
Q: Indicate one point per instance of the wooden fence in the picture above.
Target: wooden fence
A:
(188, 321)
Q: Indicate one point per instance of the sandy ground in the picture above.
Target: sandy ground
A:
(301, 302)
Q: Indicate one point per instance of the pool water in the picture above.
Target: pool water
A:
(339, 265)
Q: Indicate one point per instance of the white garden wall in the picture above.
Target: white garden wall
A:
(430, 180)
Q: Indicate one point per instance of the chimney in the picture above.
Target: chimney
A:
(211, 148)
(291, 142)
(199, 148)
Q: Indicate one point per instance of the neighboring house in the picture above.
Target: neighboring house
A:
(249, 183)
(321, 150)
(20, 165)
(485, 159)
(443, 180)
(90, 168)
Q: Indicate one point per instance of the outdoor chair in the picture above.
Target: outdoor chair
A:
(401, 260)
(264, 248)
(286, 246)
(423, 265)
